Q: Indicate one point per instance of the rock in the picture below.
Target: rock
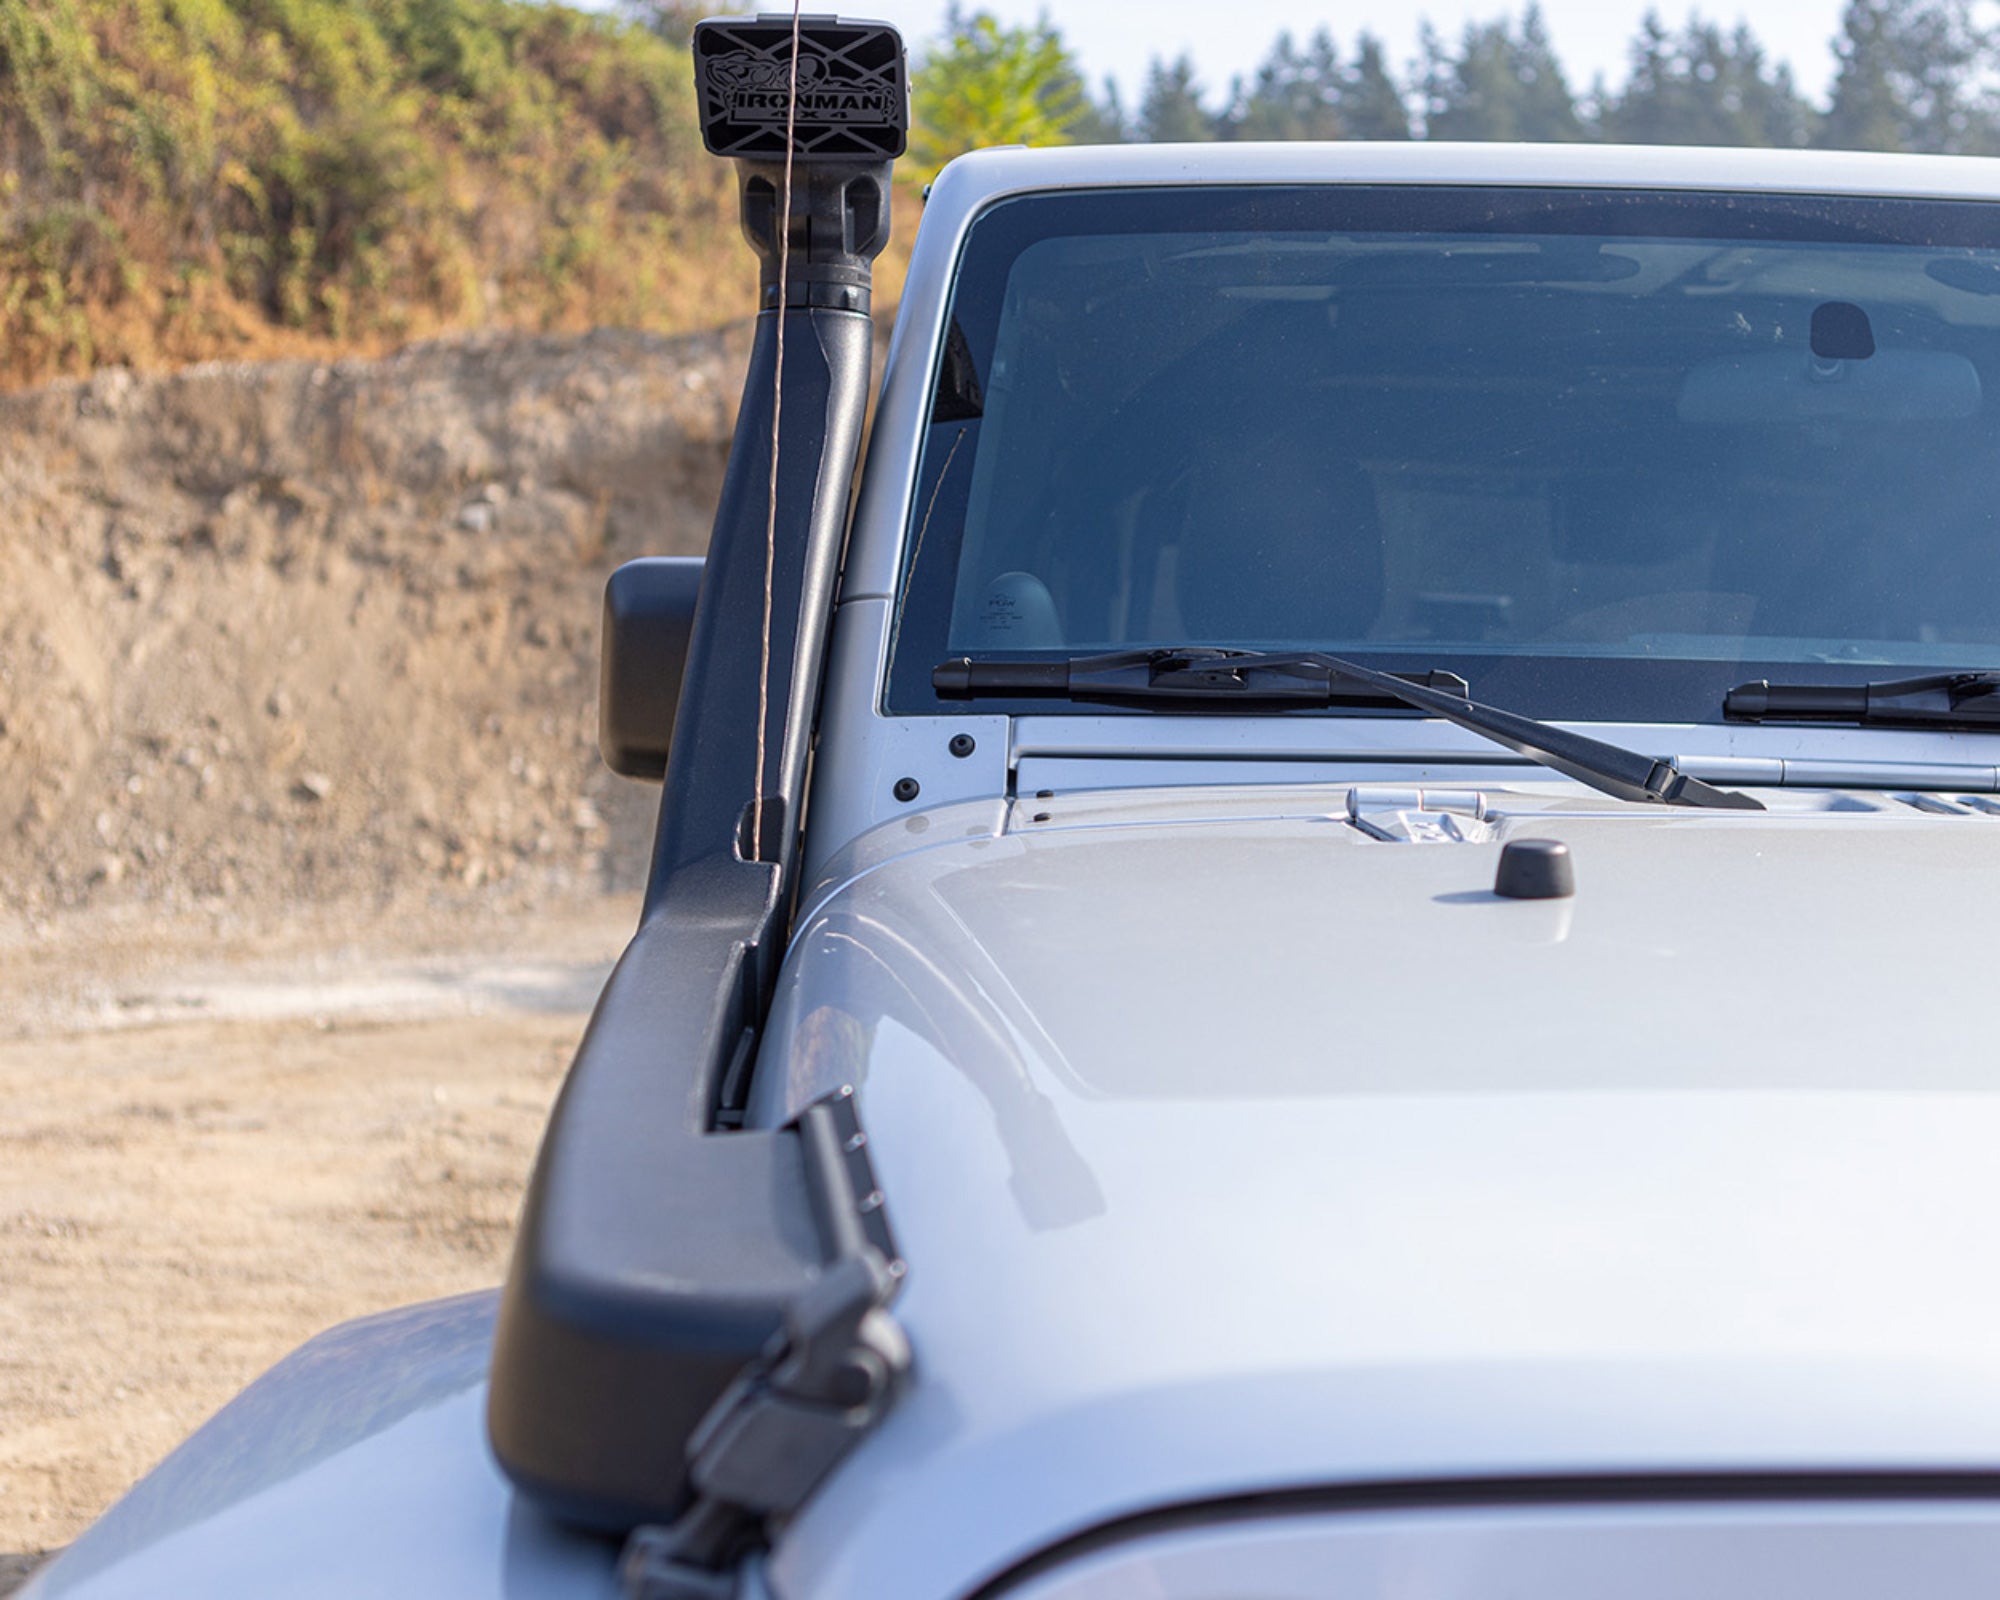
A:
(333, 543)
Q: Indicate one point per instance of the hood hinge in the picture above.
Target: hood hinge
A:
(1421, 816)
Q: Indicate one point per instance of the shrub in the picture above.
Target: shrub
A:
(196, 178)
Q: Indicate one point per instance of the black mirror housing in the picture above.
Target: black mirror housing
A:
(648, 617)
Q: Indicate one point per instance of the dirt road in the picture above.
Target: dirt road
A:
(208, 1154)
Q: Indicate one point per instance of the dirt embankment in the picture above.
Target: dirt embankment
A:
(304, 845)
(284, 635)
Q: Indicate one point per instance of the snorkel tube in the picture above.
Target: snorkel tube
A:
(694, 1327)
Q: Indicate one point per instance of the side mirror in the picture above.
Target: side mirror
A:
(648, 617)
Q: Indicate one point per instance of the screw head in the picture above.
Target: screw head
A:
(962, 745)
(907, 789)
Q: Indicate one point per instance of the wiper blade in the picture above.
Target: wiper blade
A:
(1964, 700)
(1197, 672)
(1207, 675)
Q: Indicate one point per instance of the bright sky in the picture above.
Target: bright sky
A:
(1229, 37)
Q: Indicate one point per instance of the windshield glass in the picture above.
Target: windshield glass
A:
(1603, 454)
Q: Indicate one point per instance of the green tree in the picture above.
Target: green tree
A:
(1170, 109)
(1371, 103)
(1772, 106)
(1103, 121)
(1295, 94)
(1308, 92)
(986, 84)
(1702, 86)
(1907, 80)
(192, 178)
(1503, 84)
(674, 20)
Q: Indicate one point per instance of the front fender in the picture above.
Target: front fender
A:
(356, 1466)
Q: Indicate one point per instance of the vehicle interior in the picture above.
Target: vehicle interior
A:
(1534, 443)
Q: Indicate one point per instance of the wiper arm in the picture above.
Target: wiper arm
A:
(1965, 700)
(1197, 672)
(1207, 675)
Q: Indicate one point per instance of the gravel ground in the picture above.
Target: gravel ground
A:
(209, 1152)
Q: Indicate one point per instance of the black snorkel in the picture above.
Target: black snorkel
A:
(694, 1329)
(815, 277)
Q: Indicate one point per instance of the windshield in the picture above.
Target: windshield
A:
(1602, 454)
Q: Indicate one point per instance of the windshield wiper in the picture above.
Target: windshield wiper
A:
(1195, 672)
(1965, 700)
(1206, 676)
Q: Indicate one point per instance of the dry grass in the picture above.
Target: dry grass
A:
(191, 180)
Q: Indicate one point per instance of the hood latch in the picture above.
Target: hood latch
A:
(1420, 816)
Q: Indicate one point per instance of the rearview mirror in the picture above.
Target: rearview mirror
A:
(1778, 386)
(648, 617)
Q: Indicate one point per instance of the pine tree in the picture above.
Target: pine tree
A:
(1907, 80)
(1170, 110)
(1701, 86)
(1371, 104)
(1773, 108)
(1501, 85)
(1867, 111)
(1296, 94)
(1659, 103)
(1103, 121)
(673, 20)
(986, 84)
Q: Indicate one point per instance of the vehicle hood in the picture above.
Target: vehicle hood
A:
(1233, 1149)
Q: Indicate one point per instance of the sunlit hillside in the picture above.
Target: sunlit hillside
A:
(194, 179)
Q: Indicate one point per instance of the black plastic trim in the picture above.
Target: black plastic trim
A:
(659, 1257)
(621, 1322)
(649, 610)
(847, 1199)
(853, 82)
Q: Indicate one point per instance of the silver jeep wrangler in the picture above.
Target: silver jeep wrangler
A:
(1327, 945)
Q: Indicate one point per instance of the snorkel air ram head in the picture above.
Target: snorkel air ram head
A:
(847, 122)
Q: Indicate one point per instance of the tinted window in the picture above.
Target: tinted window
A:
(1603, 454)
